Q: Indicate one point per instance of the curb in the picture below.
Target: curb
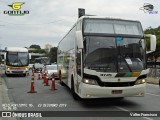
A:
(152, 83)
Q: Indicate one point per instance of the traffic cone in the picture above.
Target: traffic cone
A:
(46, 82)
(39, 76)
(32, 84)
(44, 78)
(53, 83)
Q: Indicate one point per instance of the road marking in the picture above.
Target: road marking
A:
(152, 94)
(148, 118)
(123, 109)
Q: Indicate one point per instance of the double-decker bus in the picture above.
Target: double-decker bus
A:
(16, 61)
(104, 57)
(43, 60)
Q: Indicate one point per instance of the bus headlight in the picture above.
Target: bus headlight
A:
(90, 81)
(140, 81)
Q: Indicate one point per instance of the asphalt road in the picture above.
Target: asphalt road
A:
(61, 100)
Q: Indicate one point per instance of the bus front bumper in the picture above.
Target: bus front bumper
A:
(17, 72)
(95, 91)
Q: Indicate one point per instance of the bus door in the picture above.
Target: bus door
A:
(79, 67)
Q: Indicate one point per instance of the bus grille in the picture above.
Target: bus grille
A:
(117, 84)
(17, 72)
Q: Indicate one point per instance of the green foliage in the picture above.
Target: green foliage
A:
(35, 46)
(37, 49)
(42, 51)
(53, 54)
(155, 31)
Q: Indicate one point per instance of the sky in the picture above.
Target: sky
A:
(49, 20)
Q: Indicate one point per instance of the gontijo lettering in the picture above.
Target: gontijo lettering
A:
(16, 6)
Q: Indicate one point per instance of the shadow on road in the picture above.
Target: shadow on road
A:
(96, 103)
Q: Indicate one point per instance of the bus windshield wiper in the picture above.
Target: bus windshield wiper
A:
(20, 62)
(126, 63)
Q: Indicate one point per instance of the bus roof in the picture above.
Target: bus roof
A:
(16, 49)
(102, 17)
(96, 17)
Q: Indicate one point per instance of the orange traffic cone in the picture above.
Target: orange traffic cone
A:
(39, 76)
(44, 78)
(32, 84)
(53, 83)
(47, 82)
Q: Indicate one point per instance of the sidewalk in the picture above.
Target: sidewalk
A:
(152, 80)
(4, 98)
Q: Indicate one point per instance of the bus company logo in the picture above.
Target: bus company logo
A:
(148, 8)
(104, 75)
(16, 6)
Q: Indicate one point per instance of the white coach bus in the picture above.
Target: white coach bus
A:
(104, 57)
(16, 61)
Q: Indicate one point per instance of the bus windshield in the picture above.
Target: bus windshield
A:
(109, 26)
(108, 54)
(17, 58)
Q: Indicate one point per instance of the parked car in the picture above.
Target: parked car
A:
(49, 70)
(38, 67)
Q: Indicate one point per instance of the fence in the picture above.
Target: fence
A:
(154, 72)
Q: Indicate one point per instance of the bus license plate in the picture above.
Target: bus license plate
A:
(116, 91)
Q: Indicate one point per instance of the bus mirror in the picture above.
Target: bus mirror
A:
(153, 42)
(79, 39)
(29, 55)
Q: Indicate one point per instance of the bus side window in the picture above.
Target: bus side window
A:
(78, 61)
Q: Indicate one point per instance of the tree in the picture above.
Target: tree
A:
(53, 54)
(35, 46)
(156, 31)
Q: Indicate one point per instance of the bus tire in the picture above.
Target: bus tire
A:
(6, 74)
(24, 75)
(119, 98)
(75, 96)
(60, 79)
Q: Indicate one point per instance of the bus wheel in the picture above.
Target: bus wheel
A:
(24, 75)
(6, 74)
(60, 79)
(75, 96)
